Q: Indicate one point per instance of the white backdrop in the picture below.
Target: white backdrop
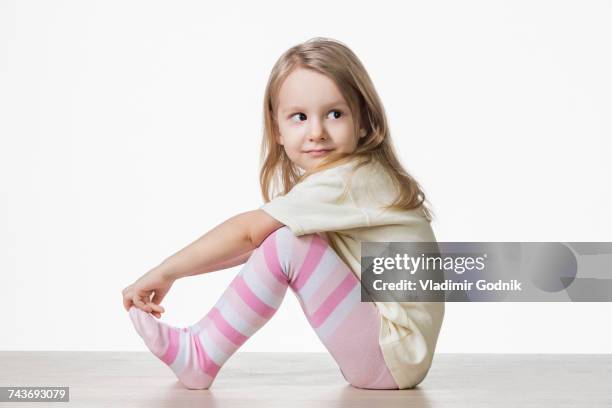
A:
(130, 128)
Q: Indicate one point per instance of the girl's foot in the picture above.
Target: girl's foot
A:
(180, 348)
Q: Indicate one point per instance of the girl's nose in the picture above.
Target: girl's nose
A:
(316, 131)
(318, 137)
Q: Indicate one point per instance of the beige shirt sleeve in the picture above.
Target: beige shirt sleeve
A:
(316, 205)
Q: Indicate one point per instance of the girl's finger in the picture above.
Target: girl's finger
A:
(141, 304)
(156, 307)
(159, 296)
(146, 298)
(127, 302)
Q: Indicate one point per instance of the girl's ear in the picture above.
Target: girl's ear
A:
(277, 135)
(363, 132)
(279, 138)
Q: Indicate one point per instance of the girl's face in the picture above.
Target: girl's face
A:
(313, 118)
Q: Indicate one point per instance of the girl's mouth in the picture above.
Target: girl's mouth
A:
(318, 153)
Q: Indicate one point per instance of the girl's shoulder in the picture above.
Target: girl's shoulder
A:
(353, 177)
(368, 171)
(369, 175)
(338, 174)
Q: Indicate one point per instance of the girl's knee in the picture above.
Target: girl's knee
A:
(285, 232)
(287, 248)
(278, 249)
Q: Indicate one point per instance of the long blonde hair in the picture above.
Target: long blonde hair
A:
(330, 57)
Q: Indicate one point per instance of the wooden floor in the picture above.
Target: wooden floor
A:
(138, 379)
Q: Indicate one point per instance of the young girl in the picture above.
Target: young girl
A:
(335, 181)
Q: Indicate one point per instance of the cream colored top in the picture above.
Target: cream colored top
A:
(409, 330)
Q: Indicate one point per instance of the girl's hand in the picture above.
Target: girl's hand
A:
(139, 293)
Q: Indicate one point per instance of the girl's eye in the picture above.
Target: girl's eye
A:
(337, 111)
(299, 113)
(303, 116)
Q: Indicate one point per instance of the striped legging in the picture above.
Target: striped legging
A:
(328, 292)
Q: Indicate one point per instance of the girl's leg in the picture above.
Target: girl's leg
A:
(328, 292)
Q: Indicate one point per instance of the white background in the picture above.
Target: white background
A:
(130, 128)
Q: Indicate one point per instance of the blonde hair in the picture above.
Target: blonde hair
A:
(330, 57)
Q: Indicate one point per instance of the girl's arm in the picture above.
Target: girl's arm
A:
(238, 260)
(226, 245)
